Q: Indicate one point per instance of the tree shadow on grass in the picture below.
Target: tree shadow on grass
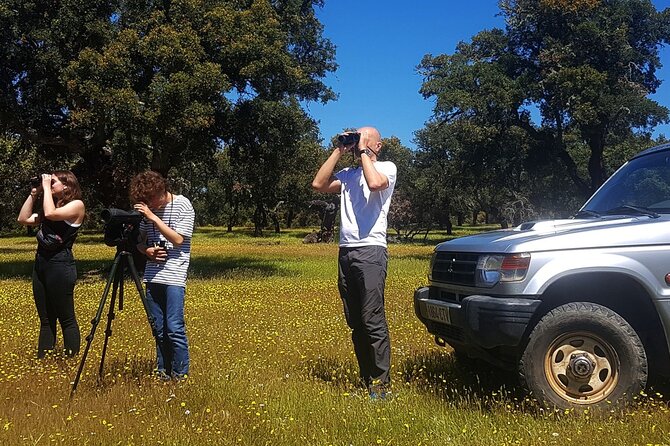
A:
(302, 233)
(237, 233)
(23, 269)
(97, 239)
(16, 269)
(220, 267)
(232, 267)
(17, 250)
(202, 267)
(217, 232)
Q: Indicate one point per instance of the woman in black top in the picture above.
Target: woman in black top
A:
(55, 273)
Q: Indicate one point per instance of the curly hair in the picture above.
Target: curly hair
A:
(147, 185)
(72, 191)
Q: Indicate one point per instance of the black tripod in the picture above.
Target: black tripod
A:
(122, 261)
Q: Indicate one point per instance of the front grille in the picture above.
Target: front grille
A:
(455, 267)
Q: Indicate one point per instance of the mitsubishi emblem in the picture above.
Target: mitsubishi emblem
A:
(451, 266)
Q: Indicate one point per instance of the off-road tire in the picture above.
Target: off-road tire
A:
(583, 355)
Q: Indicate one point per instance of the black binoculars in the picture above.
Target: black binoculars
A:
(349, 138)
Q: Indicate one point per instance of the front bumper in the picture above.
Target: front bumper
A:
(476, 322)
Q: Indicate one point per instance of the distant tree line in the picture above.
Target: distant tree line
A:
(528, 120)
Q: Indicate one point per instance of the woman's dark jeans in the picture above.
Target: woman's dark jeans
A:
(54, 276)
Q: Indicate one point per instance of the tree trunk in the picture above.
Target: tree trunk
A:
(258, 220)
(232, 220)
(597, 174)
(275, 222)
(425, 236)
(289, 218)
(556, 146)
(160, 162)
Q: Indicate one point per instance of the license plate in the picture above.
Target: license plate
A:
(436, 313)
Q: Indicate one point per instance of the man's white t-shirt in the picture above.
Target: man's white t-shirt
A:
(363, 213)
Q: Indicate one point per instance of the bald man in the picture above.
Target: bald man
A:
(365, 199)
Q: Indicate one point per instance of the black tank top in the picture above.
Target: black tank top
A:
(53, 232)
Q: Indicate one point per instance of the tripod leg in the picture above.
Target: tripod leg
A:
(140, 290)
(95, 321)
(123, 275)
(118, 287)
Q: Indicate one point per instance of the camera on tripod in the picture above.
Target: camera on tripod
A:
(120, 226)
(121, 230)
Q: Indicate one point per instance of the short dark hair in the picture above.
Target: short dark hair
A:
(147, 185)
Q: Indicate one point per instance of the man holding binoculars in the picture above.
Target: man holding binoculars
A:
(365, 198)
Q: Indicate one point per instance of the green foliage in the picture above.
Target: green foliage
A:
(129, 85)
(587, 67)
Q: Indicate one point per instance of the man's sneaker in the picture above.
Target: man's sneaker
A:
(379, 392)
(179, 377)
(161, 375)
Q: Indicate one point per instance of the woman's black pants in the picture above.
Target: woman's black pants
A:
(54, 276)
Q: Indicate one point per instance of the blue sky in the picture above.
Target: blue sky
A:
(380, 43)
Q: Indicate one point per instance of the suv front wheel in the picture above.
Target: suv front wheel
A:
(583, 354)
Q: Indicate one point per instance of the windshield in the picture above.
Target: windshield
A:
(641, 184)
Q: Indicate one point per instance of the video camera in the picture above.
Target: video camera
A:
(120, 226)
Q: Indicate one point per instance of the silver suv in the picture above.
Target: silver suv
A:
(580, 307)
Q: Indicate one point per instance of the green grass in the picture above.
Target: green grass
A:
(272, 362)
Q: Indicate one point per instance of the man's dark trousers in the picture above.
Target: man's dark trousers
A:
(361, 280)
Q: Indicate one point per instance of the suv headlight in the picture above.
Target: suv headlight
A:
(494, 268)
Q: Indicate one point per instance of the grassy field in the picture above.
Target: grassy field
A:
(271, 363)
